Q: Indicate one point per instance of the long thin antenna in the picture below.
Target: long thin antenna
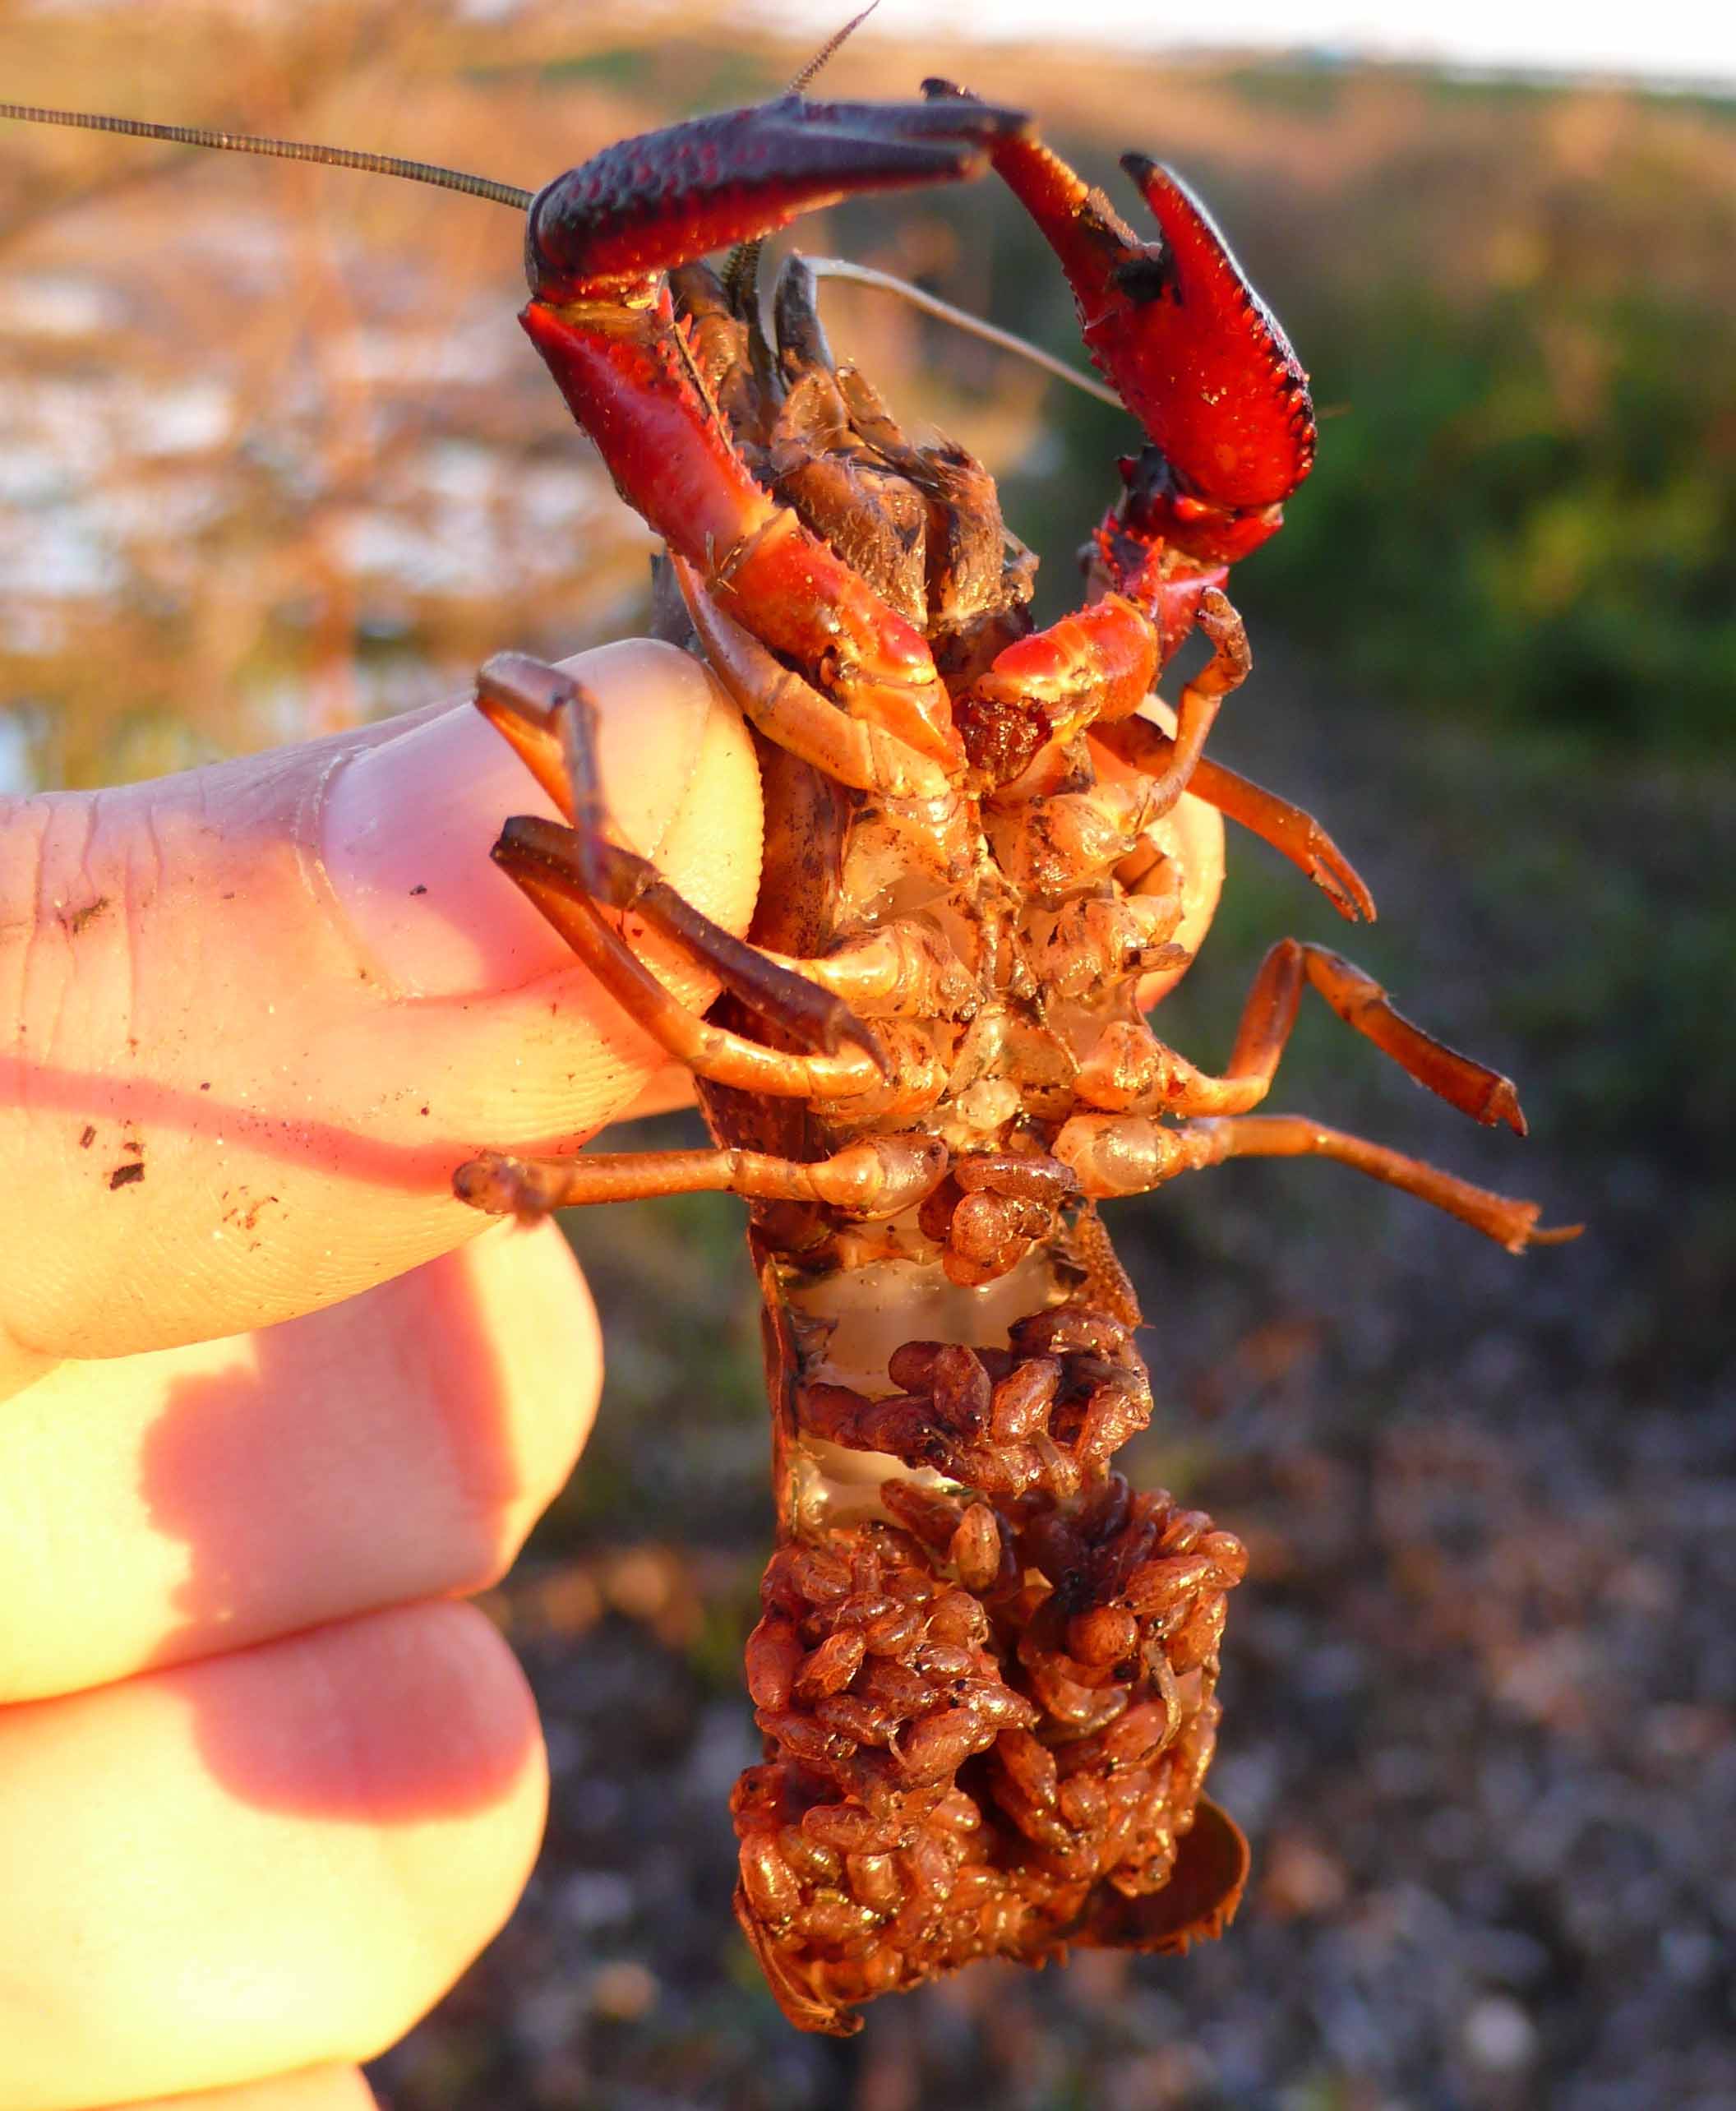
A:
(281, 150)
(805, 79)
(509, 194)
(741, 268)
(864, 274)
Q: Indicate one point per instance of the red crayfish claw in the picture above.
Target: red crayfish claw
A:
(643, 205)
(1190, 346)
(598, 242)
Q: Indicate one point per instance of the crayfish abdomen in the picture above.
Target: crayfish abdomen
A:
(985, 1671)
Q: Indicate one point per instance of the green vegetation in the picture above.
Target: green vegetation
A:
(1564, 566)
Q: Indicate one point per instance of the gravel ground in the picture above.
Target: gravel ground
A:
(1481, 1681)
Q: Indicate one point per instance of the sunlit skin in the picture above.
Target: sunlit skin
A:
(265, 1785)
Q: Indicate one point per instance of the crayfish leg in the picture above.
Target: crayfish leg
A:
(1140, 746)
(1124, 1154)
(629, 380)
(1485, 1095)
(1291, 833)
(875, 1178)
(1509, 1222)
(549, 720)
(603, 320)
(544, 861)
(1132, 1071)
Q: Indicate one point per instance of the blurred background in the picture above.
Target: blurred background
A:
(274, 456)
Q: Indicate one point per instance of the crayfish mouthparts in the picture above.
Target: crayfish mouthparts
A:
(986, 1671)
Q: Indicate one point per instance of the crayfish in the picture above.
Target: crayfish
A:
(987, 1665)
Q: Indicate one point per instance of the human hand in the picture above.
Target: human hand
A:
(274, 1404)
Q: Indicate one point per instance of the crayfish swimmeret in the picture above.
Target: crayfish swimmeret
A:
(986, 1668)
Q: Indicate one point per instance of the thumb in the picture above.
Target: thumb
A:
(257, 1014)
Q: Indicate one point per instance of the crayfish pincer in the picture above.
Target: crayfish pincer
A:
(987, 1665)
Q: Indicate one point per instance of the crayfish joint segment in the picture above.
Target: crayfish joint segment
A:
(876, 1178)
(1133, 1154)
(1136, 740)
(549, 720)
(538, 856)
(857, 752)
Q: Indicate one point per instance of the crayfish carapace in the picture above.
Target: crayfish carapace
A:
(986, 1669)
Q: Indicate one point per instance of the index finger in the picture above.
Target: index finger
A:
(258, 1013)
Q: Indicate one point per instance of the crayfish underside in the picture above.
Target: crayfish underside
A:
(987, 1665)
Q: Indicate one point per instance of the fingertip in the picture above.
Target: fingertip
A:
(438, 1751)
(245, 1096)
(405, 826)
(337, 1823)
(434, 1747)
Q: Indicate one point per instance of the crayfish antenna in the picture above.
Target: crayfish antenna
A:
(829, 49)
(740, 273)
(278, 149)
